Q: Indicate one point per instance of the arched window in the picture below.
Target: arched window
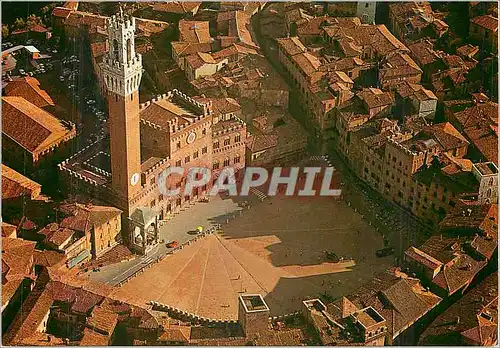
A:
(488, 194)
(491, 181)
(129, 50)
(115, 49)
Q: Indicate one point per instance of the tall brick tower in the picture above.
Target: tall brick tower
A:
(121, 71)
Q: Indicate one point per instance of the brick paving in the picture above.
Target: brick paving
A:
(276, 248)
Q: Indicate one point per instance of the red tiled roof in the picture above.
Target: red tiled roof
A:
(83, 218)
(9, 230)
(176, 333)
(29, 126)
(194, 31)
(17, 256)
(59, 236)
(38, 28)
(422, 258)
(423, 52)
(292, 45)
(15, 185)
(93, 338)
(488, 22)
(185, 48)
(48, 258)
(446, 135)
(98, 49)
(29, 89)
(261, 142)
(61, 12)
(102, 320)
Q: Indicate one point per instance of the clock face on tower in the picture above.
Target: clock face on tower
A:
(134, 179)
(191, 137)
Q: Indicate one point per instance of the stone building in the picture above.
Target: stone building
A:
(31, 133)
(486, 174)
(145, 139)
(253, 315)
(484, 31)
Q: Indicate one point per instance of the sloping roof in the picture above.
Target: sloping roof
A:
(446, 135)
(374, 97)
(29, 126)
(102, 320)
(261, 142)
(61, 12)
(143, 215)
(29, 89)
(423, 52)
(59, 236)
(17, 254)
(464, 317)
(292, 45)
(406, 304)
(48, 258)
(176, 333)
(93, 338)
(460, 273)
(194, 31)
(488, 22)
(221, 106)
(84, 217)
(185, 48)
(15, 185)
(422, 258)
(399, 299)
(341, 308)
(8, 230)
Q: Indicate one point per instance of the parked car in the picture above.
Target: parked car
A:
(172, 244)
(384, 252)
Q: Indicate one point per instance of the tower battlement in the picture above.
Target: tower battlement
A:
(122, 66)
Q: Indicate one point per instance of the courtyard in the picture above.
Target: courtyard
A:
(277, 249)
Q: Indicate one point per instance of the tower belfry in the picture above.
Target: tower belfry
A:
(122, 70)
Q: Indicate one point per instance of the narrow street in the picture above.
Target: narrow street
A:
(400, 229)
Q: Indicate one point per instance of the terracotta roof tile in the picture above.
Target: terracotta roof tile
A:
(102, 320)
(9, 230)
(185, 48)
(194, 31)
(29, 89)
(488, 22)
(15, 185)
(261, 142)
(85, 217)
(176, 333)
(292, 45)
(31, 127)
(59, 236)
(61, 12)
(422, 258)
(93, 338)
(48, 258)
(446, 135)
(423, 52)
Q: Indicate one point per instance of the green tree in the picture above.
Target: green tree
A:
(5, 31)
(33, 19)
(19, 24)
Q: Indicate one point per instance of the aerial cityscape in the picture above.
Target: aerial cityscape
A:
(249, 173)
